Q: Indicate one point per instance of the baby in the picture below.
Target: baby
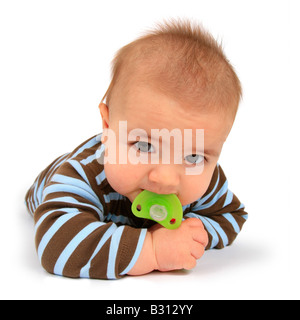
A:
(174, 81)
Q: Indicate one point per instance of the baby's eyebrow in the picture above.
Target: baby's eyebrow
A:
(141, 133)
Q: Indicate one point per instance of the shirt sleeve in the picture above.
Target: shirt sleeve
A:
(220, 211)
(72, 235)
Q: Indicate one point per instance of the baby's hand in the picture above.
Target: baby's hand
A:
(179, 248)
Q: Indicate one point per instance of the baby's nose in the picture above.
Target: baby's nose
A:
(164, 180)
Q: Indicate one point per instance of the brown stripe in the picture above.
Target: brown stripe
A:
(98, 267)
(46, 225)
(84, 251)
(128, 243)
(81, 155)
(61, 239)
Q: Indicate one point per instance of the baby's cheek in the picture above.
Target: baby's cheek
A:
(119, 177)
(113, 176)
(194, 189)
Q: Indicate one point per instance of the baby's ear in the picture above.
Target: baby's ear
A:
(104, 114)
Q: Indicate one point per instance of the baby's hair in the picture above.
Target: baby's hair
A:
(183, 60)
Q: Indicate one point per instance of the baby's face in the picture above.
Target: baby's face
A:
(143, 164)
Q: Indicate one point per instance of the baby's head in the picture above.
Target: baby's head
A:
(173, 82)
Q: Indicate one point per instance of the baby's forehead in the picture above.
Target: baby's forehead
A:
(147, 105)
(193, 96)
(177, 124)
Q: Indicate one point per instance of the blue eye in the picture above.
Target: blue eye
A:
(143, 146)
(194, 159)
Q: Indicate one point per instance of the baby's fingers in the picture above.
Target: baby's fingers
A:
(200, 235)
(190, 263)
(197, 250)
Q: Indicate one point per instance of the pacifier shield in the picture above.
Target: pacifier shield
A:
(165, 209)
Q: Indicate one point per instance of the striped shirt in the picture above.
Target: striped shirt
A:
(83, 228)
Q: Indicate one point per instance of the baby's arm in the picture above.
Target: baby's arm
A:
(73, 237)
(166, 250)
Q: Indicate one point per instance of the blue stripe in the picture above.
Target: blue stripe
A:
(219, 194)
(39, 192)
(213, 228)
(112, 196)
(85, 271)
(211, 231)
(94, 156)
(51, 232)
(74, 201)
(73, 244)
(100, 151)
(117, 219)
(113, 250)
(209, 228)
(89, 159)
(100, 178)
(27, 203)
(44, 216)
(228, 199)
(57, 163)
(77, 166)
(72, 181)
(241, 207)
(99, 136)
(185, 207)
(202, 200)
(219, 230)
(233, 222)
(136, 253)
(68, 182)
(34, 198)
(70, 189)
(88, 145)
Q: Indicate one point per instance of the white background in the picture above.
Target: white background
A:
(54, 70)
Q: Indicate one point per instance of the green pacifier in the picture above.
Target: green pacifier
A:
(165, 209)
